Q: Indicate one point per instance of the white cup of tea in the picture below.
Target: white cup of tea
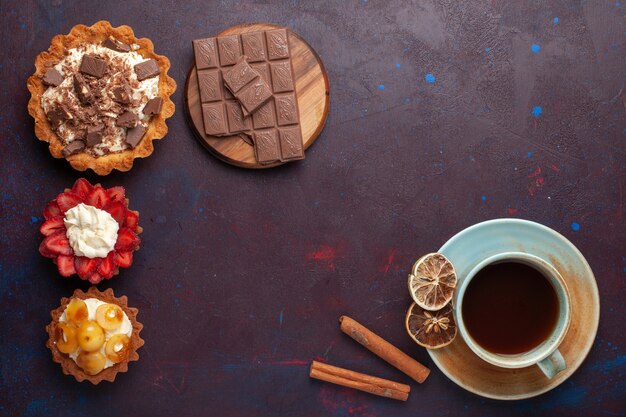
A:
(526, 326)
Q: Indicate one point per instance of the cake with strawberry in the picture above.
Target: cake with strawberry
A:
(90, 231)
(94, 335)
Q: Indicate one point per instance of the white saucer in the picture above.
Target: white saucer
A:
(482, 240)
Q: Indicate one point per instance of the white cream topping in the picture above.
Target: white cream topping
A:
(125, 328)
(142, 91)
(92, 232)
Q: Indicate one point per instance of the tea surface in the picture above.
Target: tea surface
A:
(510, 308)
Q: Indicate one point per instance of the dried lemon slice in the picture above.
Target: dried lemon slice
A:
(432, 282)
(431, 329)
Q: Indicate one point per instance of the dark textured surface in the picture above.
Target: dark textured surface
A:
(441, 116)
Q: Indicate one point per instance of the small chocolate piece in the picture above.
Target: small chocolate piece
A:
(205, 53)
(253, 46)
(93, 66)
(127, 119)
(229, 49)
(58, 115)
(286, 110)
(73, 147)
(254, 95)
(153, 106)
(277, 44)
(214, 119)
(239, 75)
(82, 89)
(147, 69)
(115, 45)
(236, 121)
(134, 135)
(266, 146)
(52, 77)
(282, 80)
(291, 143)
(94, 135)
(210, 85)
(264, 116)
(122, 94)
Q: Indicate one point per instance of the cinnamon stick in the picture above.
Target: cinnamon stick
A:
(384, 349)
(362, 382)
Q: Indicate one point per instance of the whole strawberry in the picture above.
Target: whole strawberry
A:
(90, 231)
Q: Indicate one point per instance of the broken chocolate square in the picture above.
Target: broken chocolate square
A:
(286, 110)
(127, 119)
(153, 106)
(254, 95)
(58, 115)
(115, 45)
(205, 52)
(229, 49)
(236, 121)
(52, 77)
(73, 147)
(277, 44)
(94, 135)
(93, 66)
(239, 75)
(291, 143)
(210, 85)
(147, 69)
(253, 46)
(134, 135)
(266, 146)
(122, 94)
(282, 80)
(214, 118)
(82, 89)
(264, 117)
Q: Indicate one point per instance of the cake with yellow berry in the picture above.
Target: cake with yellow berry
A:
(94, 335)
(90, 231)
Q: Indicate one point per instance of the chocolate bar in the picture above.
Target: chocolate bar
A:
(273, 121)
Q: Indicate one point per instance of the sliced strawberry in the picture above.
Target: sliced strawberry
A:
(52, 225)
(107, 267)
(124, 259)
(95, 278)
(52, 210)
(85, 267)
(97, 197)
(132, 220)
(126, 240)
(67, 200)
(117, 193)
(82, 188)
(117, 210)
(65, 263)
(56, 244)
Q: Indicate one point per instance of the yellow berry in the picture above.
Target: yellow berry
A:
(91, 362)
(117, 348)
(90, 336)
(76, 311)
(109, 316)
(66, 338)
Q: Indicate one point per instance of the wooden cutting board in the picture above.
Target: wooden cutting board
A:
(312, 92)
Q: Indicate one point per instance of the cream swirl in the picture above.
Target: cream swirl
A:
(92, 232)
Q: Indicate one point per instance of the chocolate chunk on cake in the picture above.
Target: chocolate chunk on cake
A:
(53, 77)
